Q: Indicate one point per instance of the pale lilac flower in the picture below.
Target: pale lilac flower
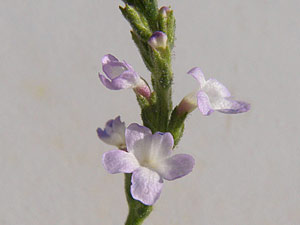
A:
(158, 40)
(121, 75)
(113, 133)
(149, 159)
(211, 96)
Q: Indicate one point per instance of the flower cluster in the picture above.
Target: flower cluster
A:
(148, 156)
(144, 153)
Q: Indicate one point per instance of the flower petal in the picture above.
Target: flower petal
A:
(131, 78)
(104, 136)
(146, 185)
(198, 75)
(114, 69)
(152, 149)
(118, 161)
(107, 83)
(215, 89)
(118, 126)
(114, 133)
(236, 107)
(176, 166)
(204, 104)
(162, 144)
(126, 80)
(109, 58)
(133, 133)
(128, 66)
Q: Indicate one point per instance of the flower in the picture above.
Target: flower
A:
(122, 76)
(113, 133)
(158, 40)
(211, 96)
(149, 159)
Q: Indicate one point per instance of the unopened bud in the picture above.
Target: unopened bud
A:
(164, 11)
(158, 40)
(143, 89)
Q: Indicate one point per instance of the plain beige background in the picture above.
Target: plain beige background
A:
(247, 166)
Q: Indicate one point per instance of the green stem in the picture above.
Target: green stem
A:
(161, 82)
(163, 109)
(138, 212)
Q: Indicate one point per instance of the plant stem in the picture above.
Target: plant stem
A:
(138, 212)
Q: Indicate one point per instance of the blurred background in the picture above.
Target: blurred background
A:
(247, 166)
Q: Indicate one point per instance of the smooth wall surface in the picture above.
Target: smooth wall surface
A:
(247, 166)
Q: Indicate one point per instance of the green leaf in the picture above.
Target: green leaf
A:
(176, 125)
(144, 50)
(137, 21)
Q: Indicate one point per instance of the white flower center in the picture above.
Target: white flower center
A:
(150, 164)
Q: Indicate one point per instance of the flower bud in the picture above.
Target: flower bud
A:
(187, 104)
(113, 133)
(158, 40)
(164, 11)
(143, 89)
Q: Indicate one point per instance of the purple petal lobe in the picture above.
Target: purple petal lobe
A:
(236, 107)
(176, 166)
(109, 58)
(114, 69)
(101, 133)
(107, 83)
(146, 185)
(118, 161)
(198, 75)
(134, 133)
(126, 80)
(204, 103)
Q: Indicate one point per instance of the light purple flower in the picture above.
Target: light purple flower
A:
(211, 96)
(121, 75)
(149, 159)
(113, 133)
(158, 40)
